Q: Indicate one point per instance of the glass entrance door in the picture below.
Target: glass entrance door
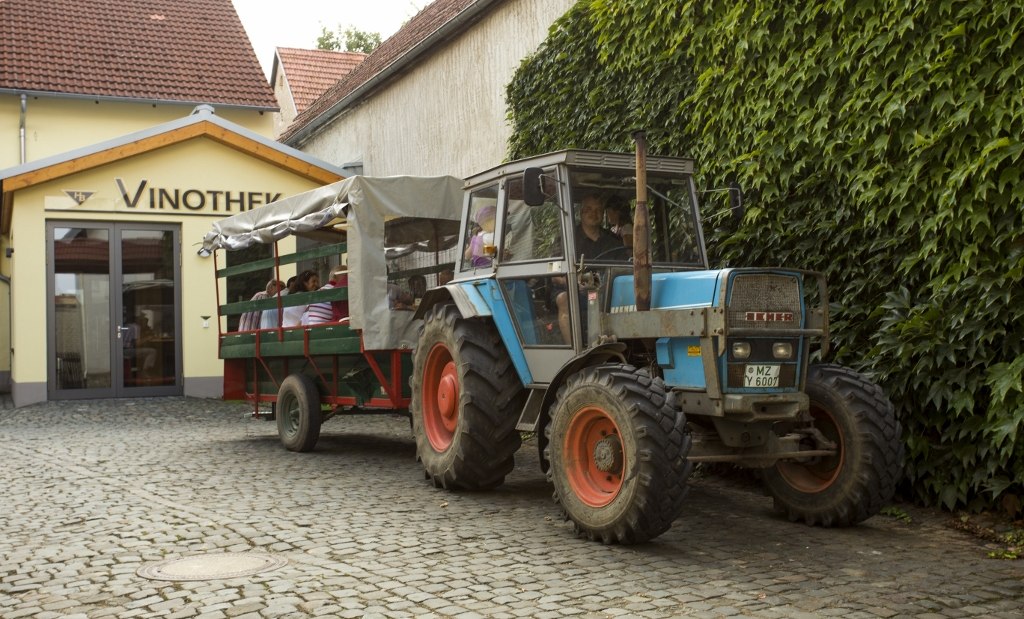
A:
(114, 320)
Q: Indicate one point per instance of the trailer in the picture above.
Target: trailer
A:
(373, 235)
(630, 360)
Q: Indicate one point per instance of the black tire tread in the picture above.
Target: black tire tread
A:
(490, 398)
(878, 466)
(304, 390)
(664, 444)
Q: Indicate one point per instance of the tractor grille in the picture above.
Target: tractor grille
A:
(765, 301)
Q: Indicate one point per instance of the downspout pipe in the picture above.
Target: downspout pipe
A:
(21, 131)
(3, 278)
(6, 388)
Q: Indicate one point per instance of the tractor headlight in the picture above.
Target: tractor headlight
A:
(782, 350)
(740, 350)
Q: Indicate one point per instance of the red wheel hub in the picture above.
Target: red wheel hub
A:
(594, 457)
(440, 397)
(817, 475)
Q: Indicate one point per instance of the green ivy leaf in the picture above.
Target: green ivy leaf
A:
(879, 143)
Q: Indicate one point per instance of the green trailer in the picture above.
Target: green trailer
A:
(374, 236)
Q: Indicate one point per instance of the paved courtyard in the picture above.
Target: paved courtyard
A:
(95, 490)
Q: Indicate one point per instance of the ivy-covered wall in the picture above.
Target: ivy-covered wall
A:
(879, 142)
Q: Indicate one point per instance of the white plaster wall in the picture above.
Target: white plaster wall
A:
(447, 115)
(283, 94)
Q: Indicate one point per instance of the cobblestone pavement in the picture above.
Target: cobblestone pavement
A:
(95, 490)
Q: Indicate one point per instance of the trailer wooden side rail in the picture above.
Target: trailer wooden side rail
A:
(348, 377)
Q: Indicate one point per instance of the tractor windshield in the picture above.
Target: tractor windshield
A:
(603, 208)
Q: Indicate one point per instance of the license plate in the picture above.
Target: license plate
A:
(761, 376)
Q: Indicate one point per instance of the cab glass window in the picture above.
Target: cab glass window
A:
(674, 232)
(532, 232)
(478, 246)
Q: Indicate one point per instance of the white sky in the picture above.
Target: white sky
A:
(297, 23)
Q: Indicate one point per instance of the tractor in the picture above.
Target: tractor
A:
(630, 359)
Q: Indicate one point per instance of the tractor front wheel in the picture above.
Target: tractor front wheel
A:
(617, 453)
(466, 397)
(857, 482)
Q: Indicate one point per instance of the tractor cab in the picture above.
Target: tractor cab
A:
(551, 239)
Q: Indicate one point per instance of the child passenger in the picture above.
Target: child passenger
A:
(480, 251)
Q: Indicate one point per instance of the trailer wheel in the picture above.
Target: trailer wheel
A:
(465, 399)
(298, 413)
(618, 453)
(858, 481)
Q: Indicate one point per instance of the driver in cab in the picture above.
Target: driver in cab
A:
(592, 240)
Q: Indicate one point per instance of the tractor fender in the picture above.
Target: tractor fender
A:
(480, 299)
(466, 296)
(598, 355)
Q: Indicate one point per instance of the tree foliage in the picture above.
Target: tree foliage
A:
(878, 142)
(349, 40)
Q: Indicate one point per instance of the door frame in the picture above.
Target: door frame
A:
(544, 360)
(117, 388)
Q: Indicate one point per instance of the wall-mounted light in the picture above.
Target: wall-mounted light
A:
(203, 252)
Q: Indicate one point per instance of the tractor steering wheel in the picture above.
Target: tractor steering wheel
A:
(626, 253)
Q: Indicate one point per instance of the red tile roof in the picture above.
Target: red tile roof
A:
(310, 72)
(192, 51)
(415, 32)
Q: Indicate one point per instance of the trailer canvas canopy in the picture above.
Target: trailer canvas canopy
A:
(368, 207)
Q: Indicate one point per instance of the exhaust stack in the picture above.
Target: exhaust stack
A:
(641, 229)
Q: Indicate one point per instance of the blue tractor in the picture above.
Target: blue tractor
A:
(583, 309)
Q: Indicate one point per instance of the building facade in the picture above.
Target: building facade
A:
(431, 99)
(125, 130)
(109, 297)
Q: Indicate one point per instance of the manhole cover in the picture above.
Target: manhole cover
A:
(211, 567)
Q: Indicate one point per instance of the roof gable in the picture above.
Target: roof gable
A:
(189, 51)
(311, 72)
(437, 23)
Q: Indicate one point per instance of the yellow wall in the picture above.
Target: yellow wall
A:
(58, 125)
(200, 164)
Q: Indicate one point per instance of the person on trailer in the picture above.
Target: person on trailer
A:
(328, 311)
(307, 281)
(250, 321)
(400, 298)
(418, 286)
(271, 318)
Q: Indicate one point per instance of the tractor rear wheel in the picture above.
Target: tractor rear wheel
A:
(857, 482)
(466, 397)
(298, 413)
(618, 454)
